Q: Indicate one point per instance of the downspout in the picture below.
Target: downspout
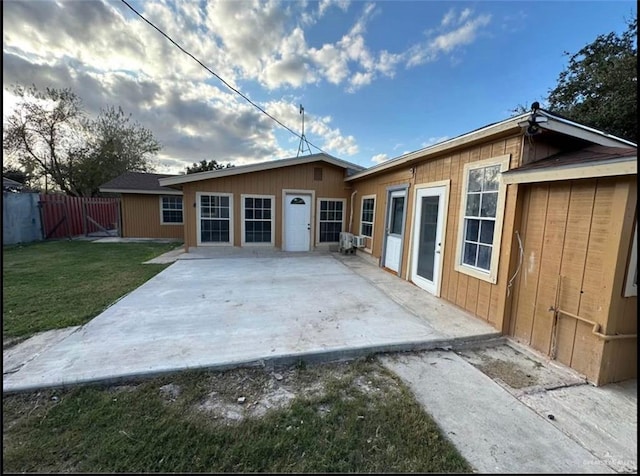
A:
(351, 214)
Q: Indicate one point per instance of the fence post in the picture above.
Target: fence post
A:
(42, 225)
(119, 217)
(84, 219)
(68, 216)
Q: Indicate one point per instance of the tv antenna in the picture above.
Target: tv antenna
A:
(303, 139)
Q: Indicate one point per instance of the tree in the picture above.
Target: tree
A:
(49, 135)
(42, 131)
(116, 145)
(599, 86)
(204, 166)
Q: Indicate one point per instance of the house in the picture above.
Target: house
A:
(147, 210)
(528, 224)
(10, 185)
(295, 204)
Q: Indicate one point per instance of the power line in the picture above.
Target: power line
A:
(223, 81)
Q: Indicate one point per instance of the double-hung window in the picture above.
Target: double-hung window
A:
(366, 218)
(330, 220)
(257, 219)
(481, 213)
(215, 218)
(171, 210)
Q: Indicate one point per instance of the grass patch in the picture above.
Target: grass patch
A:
(347, 417)
(57, 284)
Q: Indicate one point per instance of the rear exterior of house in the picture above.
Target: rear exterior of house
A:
(295, 204)
(544, 256)
(528, 224)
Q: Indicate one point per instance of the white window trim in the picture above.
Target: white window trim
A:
(631, 288)
(273, 219)
(492, 275)
(198, 218)
(162, 222)
(344, 210)
(368, 239)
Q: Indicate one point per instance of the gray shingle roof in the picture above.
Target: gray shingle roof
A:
(136, 181)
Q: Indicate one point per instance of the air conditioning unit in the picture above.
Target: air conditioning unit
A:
(346, 241)
(359, 241)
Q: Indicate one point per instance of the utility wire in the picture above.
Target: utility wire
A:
(223, 81)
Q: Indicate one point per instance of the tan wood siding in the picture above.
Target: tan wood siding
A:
(268, 182)
(141, 218)
(620, 357)
(572, 235)
(481, 298)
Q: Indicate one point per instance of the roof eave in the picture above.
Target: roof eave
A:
(565, 126)
(552, 123)
(144, 192)
(181, 179)
(591, 169)
(493, 129)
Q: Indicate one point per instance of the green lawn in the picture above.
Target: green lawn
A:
(348, 417)
(56, 284)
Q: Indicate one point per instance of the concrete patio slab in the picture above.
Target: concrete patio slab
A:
(213, 308)
(219, 313)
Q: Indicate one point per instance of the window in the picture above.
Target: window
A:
(631, 283)
(257, 219)
(171, 210)
(482, 207)
(330, 220)
(367, 214)
(215, 215)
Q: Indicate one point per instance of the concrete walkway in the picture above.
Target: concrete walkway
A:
(499, 433)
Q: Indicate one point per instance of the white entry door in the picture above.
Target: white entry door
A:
(297, 222)
(394, 229)
(426, 258)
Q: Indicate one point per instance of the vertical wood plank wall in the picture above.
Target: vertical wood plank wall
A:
(480, 298)
(578, 230)
(620, 357)
(268, 182)
(141, 218)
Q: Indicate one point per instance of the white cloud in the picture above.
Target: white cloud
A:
(379, 158)
(109, 56)
(453, 33)
(448, 18)
(434, 140)
(461, 36)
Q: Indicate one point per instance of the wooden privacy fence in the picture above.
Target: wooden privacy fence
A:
(64, 216)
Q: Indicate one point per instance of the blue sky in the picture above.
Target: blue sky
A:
(376, 79)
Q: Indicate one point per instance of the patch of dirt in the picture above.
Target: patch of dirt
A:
(517, 370)
(513, 374)
(235, 395)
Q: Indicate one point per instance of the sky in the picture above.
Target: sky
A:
(376, 79)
